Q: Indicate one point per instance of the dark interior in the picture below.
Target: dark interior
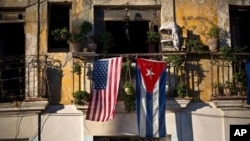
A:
(58, 16)
(12, 50)
(11, 39)
(239, 24)
(134, 41)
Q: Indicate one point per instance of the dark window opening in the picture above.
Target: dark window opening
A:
(239, 30)
(12, 66)
(128, 37)
(11, 39)
(239, 26)
(58, 17)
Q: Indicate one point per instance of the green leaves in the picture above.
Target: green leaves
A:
(153, 37)
(81, 96)
(60, 34)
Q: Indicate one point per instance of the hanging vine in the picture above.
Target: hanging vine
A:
(128, 93)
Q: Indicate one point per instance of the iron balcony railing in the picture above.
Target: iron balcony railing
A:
(188, 73)
(24, 78)
(230, 75)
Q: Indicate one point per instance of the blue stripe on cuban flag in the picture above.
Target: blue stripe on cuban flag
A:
(151, 102)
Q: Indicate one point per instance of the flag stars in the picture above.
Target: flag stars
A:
(150, 73)
(100, 75)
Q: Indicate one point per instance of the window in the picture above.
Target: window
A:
(58, 18)
(129, 33)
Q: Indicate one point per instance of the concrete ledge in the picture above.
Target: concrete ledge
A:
(231, 104)
(177, 104)
(171, 105)
(36, 106)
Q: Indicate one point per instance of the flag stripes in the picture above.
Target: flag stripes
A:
(106, 78)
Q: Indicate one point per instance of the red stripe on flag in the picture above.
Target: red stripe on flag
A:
(102, 102)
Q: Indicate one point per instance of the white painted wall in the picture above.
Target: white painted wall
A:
(198, 122)
(62, 123)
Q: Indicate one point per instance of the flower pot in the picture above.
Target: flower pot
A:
(76, 47)
(92, 47)
(218, 91)
(227, 91)
(128, 90)
(85, 49)
(213, 44)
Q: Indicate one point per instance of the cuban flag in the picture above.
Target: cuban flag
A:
(150, 97)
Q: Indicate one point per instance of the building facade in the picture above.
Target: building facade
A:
(37, 83)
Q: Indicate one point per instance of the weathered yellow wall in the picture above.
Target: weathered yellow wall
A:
(195, 15)
(61, 82)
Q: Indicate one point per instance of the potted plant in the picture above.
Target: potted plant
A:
(60, 34)
(129, 97)
(213, 37)
(240, 79)
(227, 53)
(81, 97)
(227, 88)
(104, 40)
(195, 45)
(91, 44)
(174, 60)
(152, 38)
(230, 88)
(181, 90)
(218, 89)
(79, 35)
(77, 68)
(128, 88)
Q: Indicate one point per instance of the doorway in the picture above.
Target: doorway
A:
(129, 37)
(239, 26)
(12, 64)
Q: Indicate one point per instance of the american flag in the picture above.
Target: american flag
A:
(106, 78)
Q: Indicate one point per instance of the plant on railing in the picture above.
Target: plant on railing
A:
(77, 68)
(218, 89)
(181, 90)
(195, 45)
(128, 94)
(81, 97)
(229, 88)
(240, 80)
(227, 53)
(174, 60)
(240, 77)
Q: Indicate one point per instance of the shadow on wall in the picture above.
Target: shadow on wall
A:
(184, 124)
(54, 74)
(195, 74)
(54, 108)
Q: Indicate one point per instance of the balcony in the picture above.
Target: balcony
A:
(190, 75)
(23, 83)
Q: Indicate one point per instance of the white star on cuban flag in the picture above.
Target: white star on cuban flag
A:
(151, 97)
(150, 73)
